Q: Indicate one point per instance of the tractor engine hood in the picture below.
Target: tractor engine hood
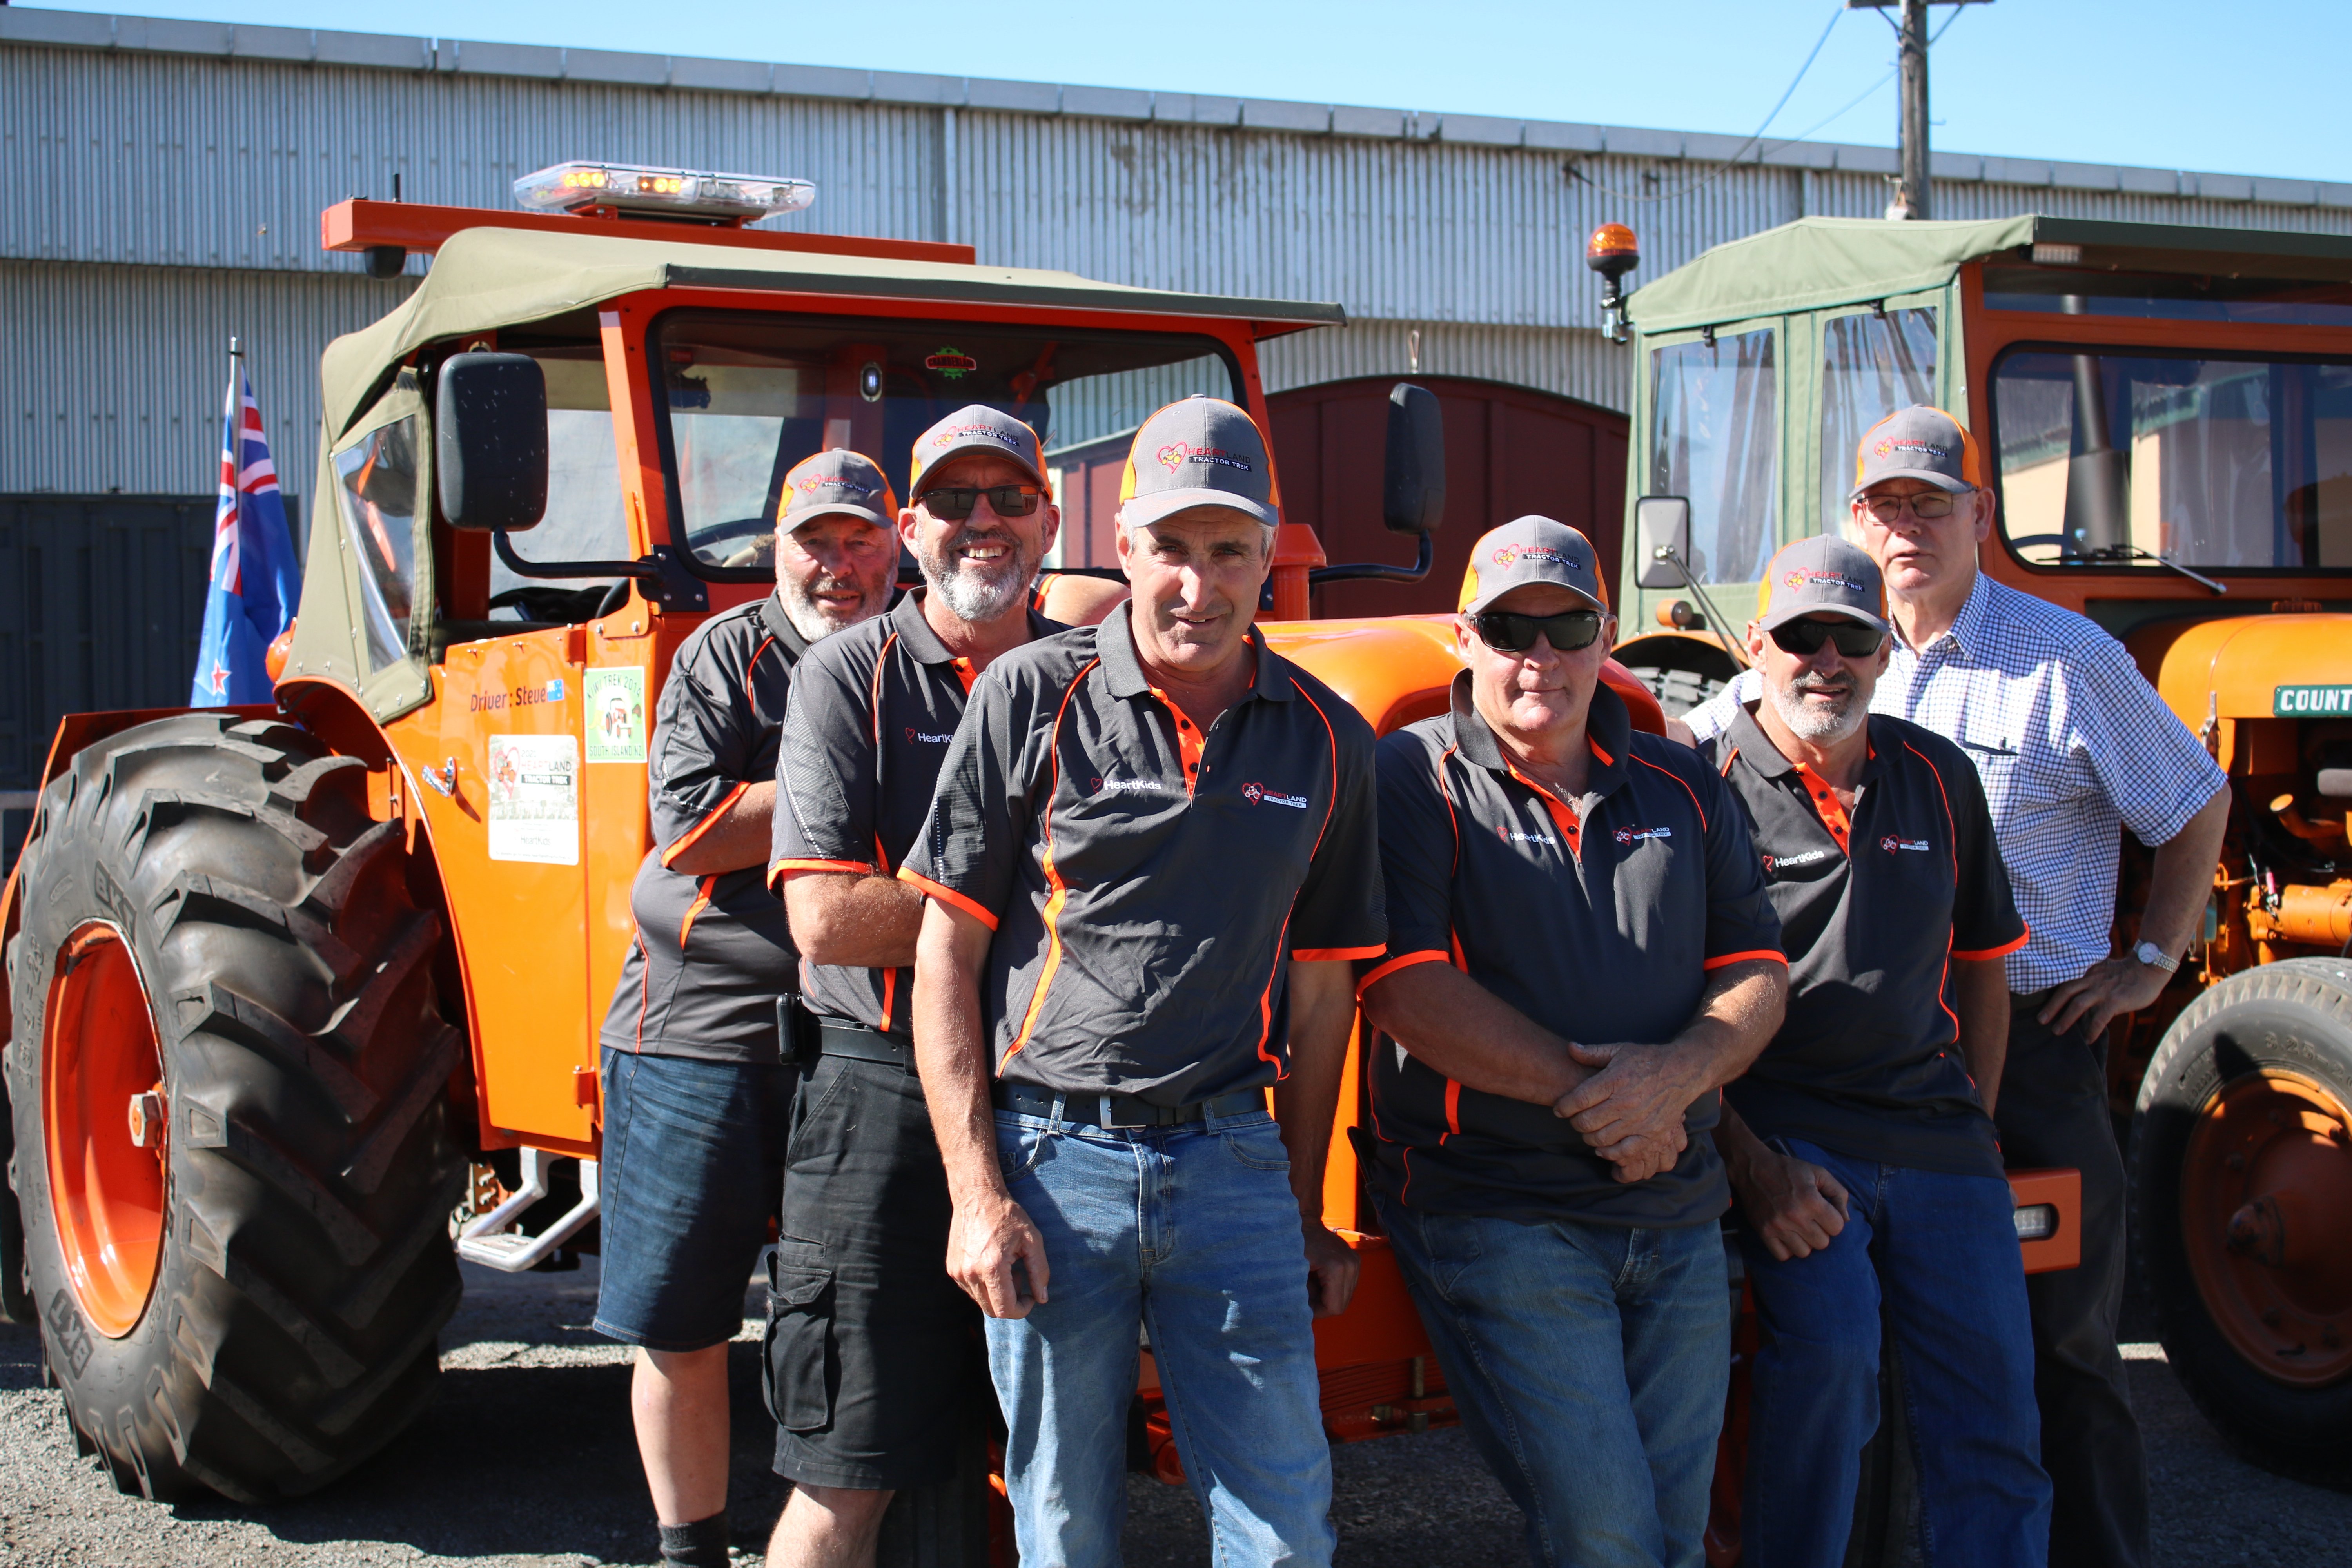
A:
(2217, 672)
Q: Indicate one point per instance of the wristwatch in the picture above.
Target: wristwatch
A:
(2147, 953)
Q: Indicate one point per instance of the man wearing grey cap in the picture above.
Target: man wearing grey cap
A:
(2071, 745)
(1579, 954)
(1859, 1144)
(1151, 863)
(694, 1088)
(871, 1350)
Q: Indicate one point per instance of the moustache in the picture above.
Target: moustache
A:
(1825, 685)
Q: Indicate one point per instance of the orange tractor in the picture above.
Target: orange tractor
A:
(290, 987)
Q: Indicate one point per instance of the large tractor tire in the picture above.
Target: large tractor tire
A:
(235, 1164)
(1678, 690)
(2241, 1210)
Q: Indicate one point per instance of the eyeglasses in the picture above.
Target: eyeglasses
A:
(1506, 631)
(1928, 506)
(953, 503)
(1804, 638)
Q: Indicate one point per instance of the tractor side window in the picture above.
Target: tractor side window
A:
(380, 487)
(2120, 458)
(1871, 366)
(586, 518)
(1715, 436)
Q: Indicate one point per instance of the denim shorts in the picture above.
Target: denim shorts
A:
(692, 1175)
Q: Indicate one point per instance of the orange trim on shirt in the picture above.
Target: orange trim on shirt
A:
(1686, 788)
(699, 828)
(2003, 951)
(889, 997)
(965, 672)
(701, 902)
(1402, 960)
(1189, 741)
(1762, 952)
(947, 896)
(1830, 809)
(784, 871)
(1059, 893)
(1606, 759)
(1329, 954)
(1563, 816)
(1453, 1109)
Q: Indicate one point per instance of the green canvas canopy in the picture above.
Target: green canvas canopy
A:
(485, 279)
(1816, 263)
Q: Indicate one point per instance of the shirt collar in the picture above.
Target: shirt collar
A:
(1123, 667)
(1756, 748)
(924, 644)
(1966, 627)
(780, 625)
(1608, 730)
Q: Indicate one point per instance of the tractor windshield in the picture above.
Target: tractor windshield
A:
(747, 397)
(2122, 456)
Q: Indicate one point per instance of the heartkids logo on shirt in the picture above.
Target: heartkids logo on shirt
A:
(914, 736)
(1132, 786)
(1803, 857)
(1508, 837)
(1258, 795)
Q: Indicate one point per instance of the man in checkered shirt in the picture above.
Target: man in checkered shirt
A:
(2070, 744)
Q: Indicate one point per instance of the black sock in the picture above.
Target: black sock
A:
(702, 1545)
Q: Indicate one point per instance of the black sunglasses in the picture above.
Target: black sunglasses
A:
(953, 503)
(1508, 631)
(1804, 638)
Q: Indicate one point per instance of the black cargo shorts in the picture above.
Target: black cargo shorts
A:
(873, 1353)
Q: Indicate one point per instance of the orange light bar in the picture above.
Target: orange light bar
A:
(360, 225)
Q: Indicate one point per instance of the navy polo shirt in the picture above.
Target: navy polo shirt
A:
(1873, 907)
(874, 708)
(1598, 918)
(711, 953)
(1147, 883)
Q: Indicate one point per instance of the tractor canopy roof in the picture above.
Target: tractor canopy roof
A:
(1816, 263)
(486, 278)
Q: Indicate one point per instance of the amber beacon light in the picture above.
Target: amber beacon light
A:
(1613, 251)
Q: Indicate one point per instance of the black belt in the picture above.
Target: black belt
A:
(835, 1038)
(2029, 1001)
(1120, 1110)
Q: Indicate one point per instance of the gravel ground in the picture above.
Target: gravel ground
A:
(527, 1460)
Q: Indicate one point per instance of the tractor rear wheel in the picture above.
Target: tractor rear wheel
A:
(229, 1083)
(2241, 1200)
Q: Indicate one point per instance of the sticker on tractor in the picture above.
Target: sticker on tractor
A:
(615, 700)
(2312, 702)
(951, 362)
(535, 799)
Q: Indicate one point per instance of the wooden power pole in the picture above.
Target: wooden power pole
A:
(1913, 190)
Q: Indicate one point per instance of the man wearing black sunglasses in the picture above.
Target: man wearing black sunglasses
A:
(872, 1356)
(1579, 954)
(1861, 1144)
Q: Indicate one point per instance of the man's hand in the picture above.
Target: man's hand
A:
(1795, 1205)
(1634, 1105)
(2110, 987)
(996, 1257)
(1332, 1269)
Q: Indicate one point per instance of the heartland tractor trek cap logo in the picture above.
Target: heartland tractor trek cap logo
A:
(979, 429)
(1917, 443)
(1529, 550)
(1823, 575)
(1258, 795)
(1636, 835)
(839, 482)
(1199, 452)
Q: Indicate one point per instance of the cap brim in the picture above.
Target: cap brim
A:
(991, 449)
(1161, 504)
(1485, 602)
(793, 520)
(1949, 484)
(1781, 614)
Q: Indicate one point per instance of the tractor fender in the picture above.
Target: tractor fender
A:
(2214, 673)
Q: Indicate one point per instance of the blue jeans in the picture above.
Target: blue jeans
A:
(1943, 1251)
(1191, 1234)
(1589, 1363)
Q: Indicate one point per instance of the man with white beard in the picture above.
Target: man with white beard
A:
(872, 1349)
(1860, 1144)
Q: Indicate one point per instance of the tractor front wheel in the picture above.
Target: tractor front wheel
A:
(229, 1082)
(2242, 1202)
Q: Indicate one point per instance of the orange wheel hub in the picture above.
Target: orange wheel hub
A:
(102, 1100)
(2265, 1205)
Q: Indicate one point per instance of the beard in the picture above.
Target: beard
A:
(1825, 722)
(978, 592)
(813, 617)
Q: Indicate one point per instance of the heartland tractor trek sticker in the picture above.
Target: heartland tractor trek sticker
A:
(615, 701)
(535, 799)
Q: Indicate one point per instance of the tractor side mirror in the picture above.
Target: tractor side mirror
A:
(1662, 534)
(1412, 479)
(490, 442)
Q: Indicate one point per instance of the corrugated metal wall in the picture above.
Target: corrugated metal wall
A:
(158, 202)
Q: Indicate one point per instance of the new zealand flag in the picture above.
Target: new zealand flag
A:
(256, 582)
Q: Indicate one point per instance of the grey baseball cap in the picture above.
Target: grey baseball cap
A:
(1917, 443)
(838, 482)
(1202, 451)
(1821, 575)
(978, 428)
(1531, 549)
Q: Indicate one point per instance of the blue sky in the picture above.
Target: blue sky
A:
(2243, 87)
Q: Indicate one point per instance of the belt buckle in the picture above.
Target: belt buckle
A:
(1111, 1125)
